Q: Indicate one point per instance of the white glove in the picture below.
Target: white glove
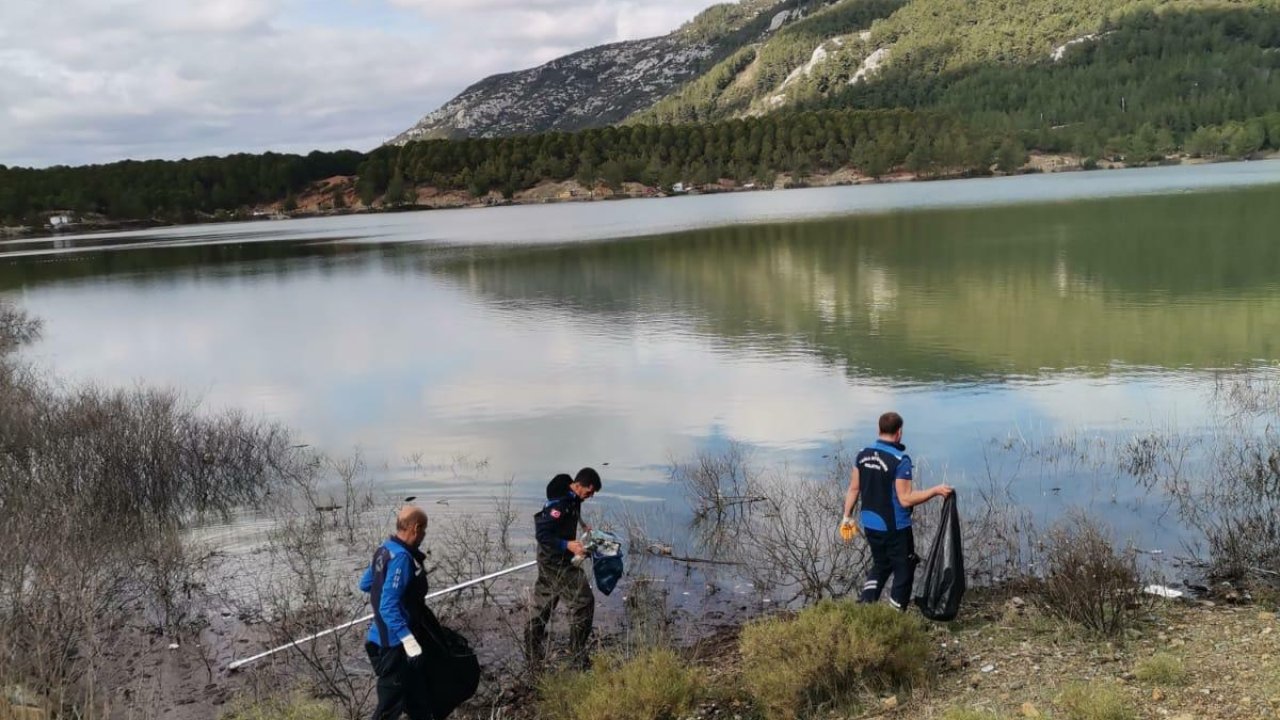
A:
(411, 646)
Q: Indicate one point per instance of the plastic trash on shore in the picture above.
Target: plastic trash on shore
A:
(1163, 591)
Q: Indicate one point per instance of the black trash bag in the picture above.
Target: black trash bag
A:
(450, 666)
(608, 571)
(943, 585)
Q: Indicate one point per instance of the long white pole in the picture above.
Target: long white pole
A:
(462, 586)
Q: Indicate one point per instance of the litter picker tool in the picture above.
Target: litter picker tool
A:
(461, 586)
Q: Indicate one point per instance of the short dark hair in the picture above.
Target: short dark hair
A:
(890, 423)
(588, 477)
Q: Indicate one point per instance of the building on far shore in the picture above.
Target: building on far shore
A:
(58, 219)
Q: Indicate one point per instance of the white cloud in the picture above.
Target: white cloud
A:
(101, 80)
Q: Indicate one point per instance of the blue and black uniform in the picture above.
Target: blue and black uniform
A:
(397, 585)
(886, 523)
(558, 578)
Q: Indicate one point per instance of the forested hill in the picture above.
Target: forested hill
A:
(855, 88)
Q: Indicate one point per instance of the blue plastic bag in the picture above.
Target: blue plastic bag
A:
(606, 560)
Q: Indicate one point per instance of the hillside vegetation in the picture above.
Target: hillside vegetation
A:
(862, 87)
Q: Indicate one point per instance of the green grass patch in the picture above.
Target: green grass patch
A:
(293, 707)
(1161, 669)
(1095, 701)
(969, 714)
(654, 685)
(829, 655)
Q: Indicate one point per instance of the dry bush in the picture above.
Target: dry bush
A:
(999, 534)
(789, 543)
(16, 328)
(829, 655)
(780, 529)
(654, 685)
(96, 490)
(1087, 581)
(720, 486)
(1236, 508)
(325, 524)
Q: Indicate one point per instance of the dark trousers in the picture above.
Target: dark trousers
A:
(402, 684)
(892, 553)
(560, 581)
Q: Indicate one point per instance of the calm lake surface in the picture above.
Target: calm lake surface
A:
(540, 339)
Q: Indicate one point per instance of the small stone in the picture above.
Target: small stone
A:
(1030, 711)
(988, 668)
(1177, 642)
(1017, 602)
(889, 703)
(1157, 695)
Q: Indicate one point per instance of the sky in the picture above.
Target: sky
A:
(91, 81)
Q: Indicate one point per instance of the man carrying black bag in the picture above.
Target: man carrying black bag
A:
(424, 669)
(944, 582)
(397, 585)
(882, 476)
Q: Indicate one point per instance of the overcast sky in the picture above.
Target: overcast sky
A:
(84, 81)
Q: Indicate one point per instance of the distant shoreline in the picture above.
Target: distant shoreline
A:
(570, 191)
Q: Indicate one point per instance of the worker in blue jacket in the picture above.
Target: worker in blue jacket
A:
(883, 477)
(397, 585)
(559, 578)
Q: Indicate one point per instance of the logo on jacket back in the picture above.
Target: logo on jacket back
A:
(874, 461)
(555, 514)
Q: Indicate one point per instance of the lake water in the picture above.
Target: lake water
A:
(623, 335)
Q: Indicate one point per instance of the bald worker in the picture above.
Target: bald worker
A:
(397, 587)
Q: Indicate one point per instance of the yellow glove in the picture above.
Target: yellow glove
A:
(848, 529)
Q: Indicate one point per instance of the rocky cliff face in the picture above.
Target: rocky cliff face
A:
(602, 85)
(595, 87)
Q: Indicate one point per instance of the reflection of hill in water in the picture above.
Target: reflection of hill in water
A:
(1182, 281)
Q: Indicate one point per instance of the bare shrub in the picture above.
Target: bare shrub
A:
(468, 545)
(1087, 581)
(1236, 507)
(791, 543)
(325, 523)
(720, 486)
(16, 328)
(97, 488)
(998, 533)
